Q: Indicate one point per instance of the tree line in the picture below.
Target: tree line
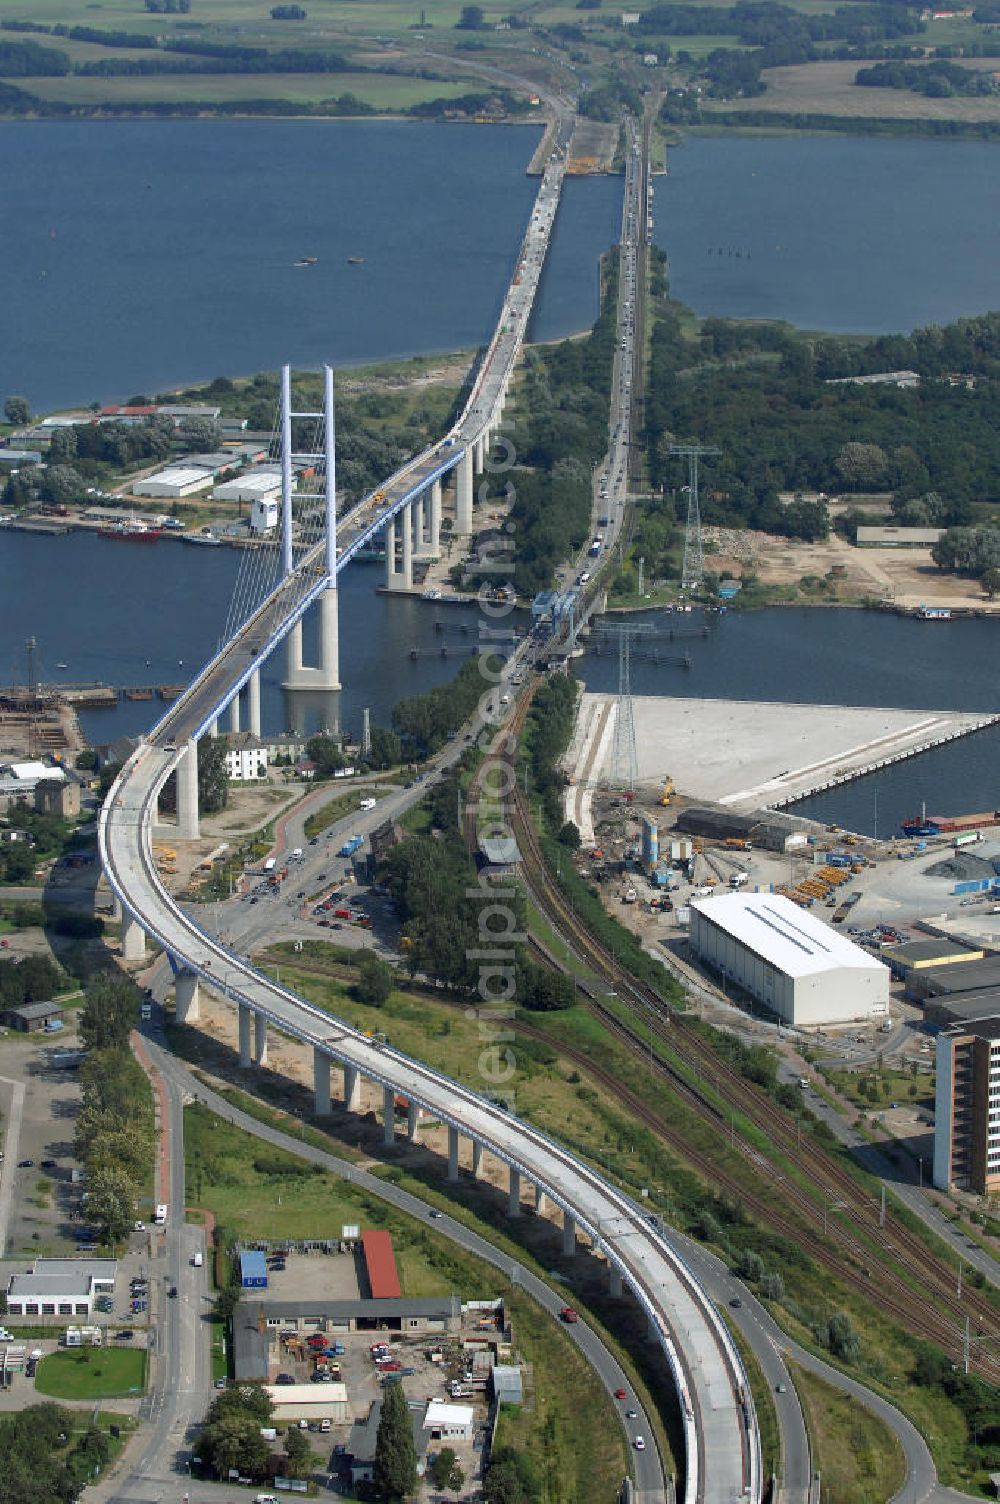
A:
(937, 79)
(114, 1135)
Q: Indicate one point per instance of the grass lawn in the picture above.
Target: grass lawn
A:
(382, 91)
(566, 1405)
(91, 1373)
(859, 1457)
(329, 814)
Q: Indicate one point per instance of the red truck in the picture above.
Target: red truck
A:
(342, 914)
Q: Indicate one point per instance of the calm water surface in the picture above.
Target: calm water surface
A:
(188, 269)
(843, 233)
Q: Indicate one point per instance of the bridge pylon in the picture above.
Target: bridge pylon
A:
(326, 673)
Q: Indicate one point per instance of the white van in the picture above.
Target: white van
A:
(160, 1215)
(368, 803)
(198, 1259)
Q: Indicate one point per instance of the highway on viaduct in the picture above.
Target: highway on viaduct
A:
(722, 1461)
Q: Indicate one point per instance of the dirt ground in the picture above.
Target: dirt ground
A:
(901, 576)
(829, 89)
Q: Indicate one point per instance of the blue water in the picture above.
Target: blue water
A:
(842, 233)
(147, 254)
(151, 613)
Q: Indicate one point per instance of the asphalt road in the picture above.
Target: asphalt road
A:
(180, 1338)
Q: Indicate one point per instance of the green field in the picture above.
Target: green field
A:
(379, 90)
(858, 1456)
(92, 1373)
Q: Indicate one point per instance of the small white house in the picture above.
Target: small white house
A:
(449, 1422)
(245, 757)
(263, 515)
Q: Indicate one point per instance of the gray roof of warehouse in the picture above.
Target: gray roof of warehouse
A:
(333, 1310)
(962, 976)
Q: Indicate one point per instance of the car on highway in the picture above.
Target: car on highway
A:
(631, 1415)
(736, 1303)
(781, 1388)
(568, 1315)
(640, 1443)
(436, 1214)
(172, 1292)
(621, 1394)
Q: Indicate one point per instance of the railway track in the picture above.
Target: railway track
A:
(888, 1264)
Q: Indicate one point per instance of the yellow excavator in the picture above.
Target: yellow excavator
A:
(668, 789)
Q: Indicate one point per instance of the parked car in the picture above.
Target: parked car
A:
(284, 1378)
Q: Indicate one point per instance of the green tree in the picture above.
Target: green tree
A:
(569, 835)
(440, 1468)
(200, 434)
(86, 760)
(326, 753)
(17, 410)
(471, 19)
(110, 1012)
(61, 484)
(213, 775)
(301, 1457)
(375, 979)
(512, 1479)
(990, 582)
(842, 1339)
(386, 748)
(395, 1452)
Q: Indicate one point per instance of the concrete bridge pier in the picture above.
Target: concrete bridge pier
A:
(298, 675)
(412, 1118)
(407, 549)
(234, 714)
(390, 554)
(514, 1193)
(260, 1038)
(213, 730)
(453, 1154)
(245, 1017)
(435, 538)
(614, 1284)
(419, 527)
(569, 1236)
(133, 938)
(352, 1088)
(477, 1156)
(388, 1116)
(463, 498)
(253, 703)
(187, 793)
(321, 1084)
(117, 911)
(539, 1201)
(187, 997)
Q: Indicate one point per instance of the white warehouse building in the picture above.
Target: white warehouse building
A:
(800, 968)
(175, 480)
(254, 486)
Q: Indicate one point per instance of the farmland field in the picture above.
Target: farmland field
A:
(380, 91)
(829, 89)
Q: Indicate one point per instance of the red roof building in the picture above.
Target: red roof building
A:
(380, 1263)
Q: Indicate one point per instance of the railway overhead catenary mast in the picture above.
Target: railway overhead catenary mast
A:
(722, 1448)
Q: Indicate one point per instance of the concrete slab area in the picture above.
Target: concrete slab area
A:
(746, 753)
